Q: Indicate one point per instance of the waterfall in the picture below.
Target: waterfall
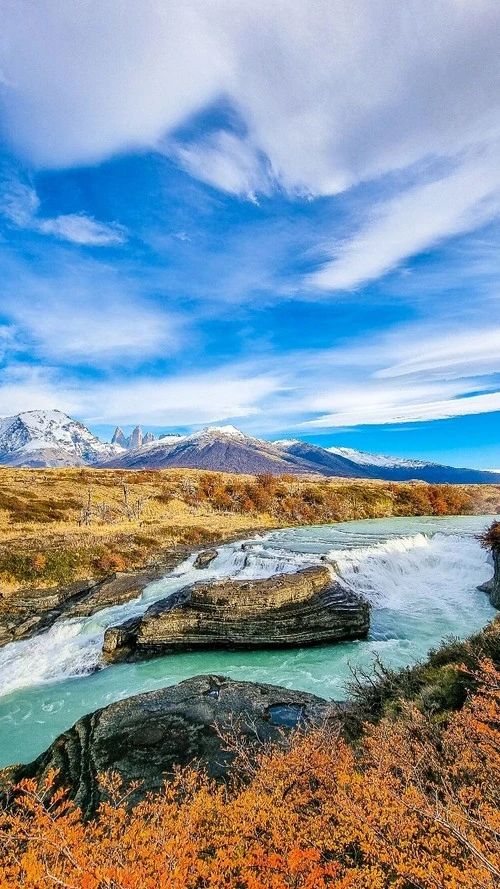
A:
(405, 573)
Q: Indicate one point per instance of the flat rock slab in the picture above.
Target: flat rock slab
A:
(29, 612)
(306, 608)
(144, 737)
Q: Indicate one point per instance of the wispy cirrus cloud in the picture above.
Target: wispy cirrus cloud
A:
(67, 310)
(410, 375)
(231, 392)
(369, 414)
(227, 162)
(21, 205)
(415, 221)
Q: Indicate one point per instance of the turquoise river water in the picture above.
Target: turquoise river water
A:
(420, 575)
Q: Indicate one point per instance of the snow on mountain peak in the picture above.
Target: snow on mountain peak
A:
(287, 442)
(228, 430)
(362, 458)
(50, 437)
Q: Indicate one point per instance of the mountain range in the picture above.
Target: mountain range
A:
(51, 438)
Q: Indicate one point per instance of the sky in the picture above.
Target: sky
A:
(272, 213)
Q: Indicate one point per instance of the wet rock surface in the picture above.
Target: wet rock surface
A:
(29, 612)
(492, 587)
(306, 608)
(205, 558)
(144, 737)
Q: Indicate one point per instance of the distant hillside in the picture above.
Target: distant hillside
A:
(51, 438)
(218, 448)
(398, 469)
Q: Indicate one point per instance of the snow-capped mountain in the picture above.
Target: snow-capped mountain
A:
(50, 438)
(218, 448)
(323, 461)
(400, 469)
(227, 449)
(363, 458)
(348, 462)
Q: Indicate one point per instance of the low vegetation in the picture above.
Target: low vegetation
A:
(413, 803)
(60, 525)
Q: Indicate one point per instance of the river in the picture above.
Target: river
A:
(420, 574)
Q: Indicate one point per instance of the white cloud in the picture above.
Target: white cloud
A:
(80, 229)
(474, 352)
(69, 310)
(332, 93)
(370, 414)
(329, 94)
(413, 222)
(334, 389)
(228, 162)
(187, 399)
(93, 331)
(21, 205)
(409, 375)
(184, 399)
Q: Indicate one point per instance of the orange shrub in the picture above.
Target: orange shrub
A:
(416, 805)
(110, 561)
(39, 562)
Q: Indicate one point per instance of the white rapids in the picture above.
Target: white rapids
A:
(420, 576)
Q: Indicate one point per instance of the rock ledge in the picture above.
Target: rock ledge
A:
(306, 608)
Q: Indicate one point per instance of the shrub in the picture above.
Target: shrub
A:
(491, 538)
(415, 805)
(110, 561)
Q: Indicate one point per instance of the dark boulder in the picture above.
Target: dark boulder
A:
(144, 737)
(204, 559)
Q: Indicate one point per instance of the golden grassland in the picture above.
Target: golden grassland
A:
(60, 525)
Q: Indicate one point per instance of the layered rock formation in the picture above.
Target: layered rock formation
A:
(492, 587)
(144, 737)
(28, 612)
(204, 559)
(305, 608)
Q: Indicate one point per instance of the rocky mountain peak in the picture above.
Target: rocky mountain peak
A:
(136, 439)
(50, 438)
(119, 438)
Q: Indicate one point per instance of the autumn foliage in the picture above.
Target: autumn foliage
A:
(414, 804)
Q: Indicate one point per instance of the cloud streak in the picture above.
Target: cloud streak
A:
(20, 204)
(415, 221)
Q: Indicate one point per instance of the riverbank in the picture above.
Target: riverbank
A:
(415, 796)
(62, 526)
(419, 574)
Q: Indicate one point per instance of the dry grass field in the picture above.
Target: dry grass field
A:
(60, 525)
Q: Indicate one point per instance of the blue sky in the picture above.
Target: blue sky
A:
(281, 215)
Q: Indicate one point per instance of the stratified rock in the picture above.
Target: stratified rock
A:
(204, 559)
(28, 612)
(118, 589)
(144, 737)
(305, 608)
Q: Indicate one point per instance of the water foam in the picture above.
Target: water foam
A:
(407, 573)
